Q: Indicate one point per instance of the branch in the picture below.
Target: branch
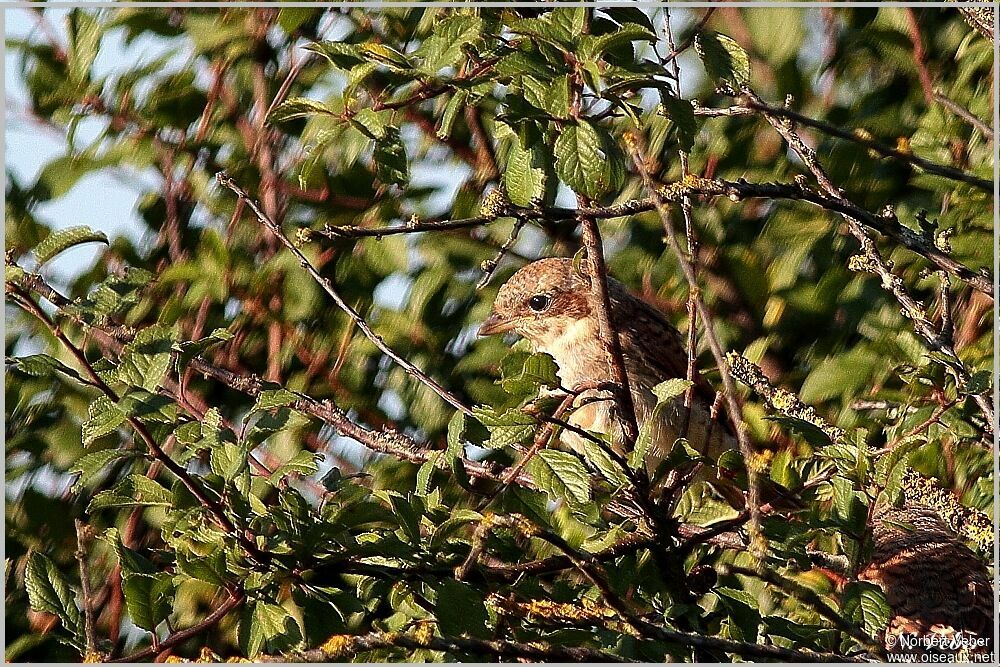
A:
(871, 260)
(340, 647)
(964, 114)
(328, 287)
(858, 136)
(729, 388)
(383, 441)
(26, 302)
(885, 223)
(181, 636)
(86, 598)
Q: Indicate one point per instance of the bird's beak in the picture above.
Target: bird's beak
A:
(495, 324)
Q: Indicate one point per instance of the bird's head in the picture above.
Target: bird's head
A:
(540, 301)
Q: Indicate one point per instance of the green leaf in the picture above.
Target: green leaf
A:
(389, 155)
(269, 399)
(385, 55)
(41, 365)
(85, 32)
(980, 382)
(596, 456)
(587, 161)
(628, 33)
(148, 407)
(229, 459)
(723, 58)
(211, 569)
(64, 239)
(524, 177)
(460, 611)
(146, 360)
(265, 626)
(91, 466)
(444, 47)
(811, 433)
(538, 370)
(299, 107)
(341, 55)
(130, 560)
(670, 389)
(456, 430)
(304, 463)
(681, 112)
(103, 417)
(49, 591)
(561, 475)
(455, 104)
(506, 428)
(864, 604)
(371, 124)
(188, 350)
(149, 598)
(134, 490)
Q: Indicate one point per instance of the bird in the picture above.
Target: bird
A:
(548, 303)
(934, 584)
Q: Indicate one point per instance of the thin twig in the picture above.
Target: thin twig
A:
(214, 507)
(964, 114)
(86, 598)
(871, 260)
(328, 287)
(181, 636)
(729, 388)
(885, 222)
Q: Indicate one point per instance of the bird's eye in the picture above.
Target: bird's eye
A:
(539, 302)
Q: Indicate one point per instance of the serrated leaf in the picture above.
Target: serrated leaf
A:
(454, 105)
(811, 433)
(41, 365)
(49, 591)
(267, 626)
(149, 598)
(456, 430)
(524, 177)
(299, 107)
(460, 610)
(85, 32)
(371, 124)
(90, 466)
(864, 604)
(188, 350)
(980, 382)
(587, 161)
(506, 428)
(211, 569)
(444, 47)
(340, 54)
(269, 399)
(385, 54)
(561, 475)
(148, 406)
(628, 33)
(103, 417)
(64, 239)
(723, 58)
(145, 360)
(229, 459)
(681, 112)
(130, 560)
(304, 463)
(670, 389)
(596, 456)
(538, 370)
(389, 155)
(134, 490)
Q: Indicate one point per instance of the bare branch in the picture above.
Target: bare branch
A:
(328, 287)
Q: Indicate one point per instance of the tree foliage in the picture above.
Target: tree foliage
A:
(272, 413)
